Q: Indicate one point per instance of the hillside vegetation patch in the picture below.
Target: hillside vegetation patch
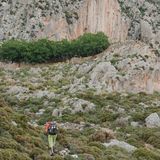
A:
(44, 50)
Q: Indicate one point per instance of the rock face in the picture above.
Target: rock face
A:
(102, 15)
(144, 20)
(61, 19)
(129, 67)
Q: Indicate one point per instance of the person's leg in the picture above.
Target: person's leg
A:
(50, 142)
(54, 143)
(54, 140)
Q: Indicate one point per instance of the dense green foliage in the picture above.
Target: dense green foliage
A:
(45, 50)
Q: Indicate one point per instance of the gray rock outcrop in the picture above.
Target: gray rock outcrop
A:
(153, 121)
(128, 67)
(120, 144)
(144, 20)
(73, 106)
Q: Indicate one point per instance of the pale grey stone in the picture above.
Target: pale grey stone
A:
(134, 124)
(121, 144)
(153, 121)
(17, 90)
(14, 123)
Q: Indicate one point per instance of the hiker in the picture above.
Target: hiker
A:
(51, 130)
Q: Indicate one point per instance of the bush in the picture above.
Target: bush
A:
(150, 136)
(6, 143)
(102, 136)
(144, 154)
(91, 150)
(44, 157)
(39, 51)
(45, 50)
(90, 44)
(14, 51)
(11, 154)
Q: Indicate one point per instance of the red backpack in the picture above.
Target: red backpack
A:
(46, 126)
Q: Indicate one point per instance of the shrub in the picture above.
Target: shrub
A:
(150, 136)
(86, 157)
(57, 157)
(98, 145)
(14, 51)
(39, 51)
(9, 144)
(102, 136)
(144, 154)
(36, 152)
(44, 50)
(11, 154)
(90, 44)
(44, 157)
(116, 153)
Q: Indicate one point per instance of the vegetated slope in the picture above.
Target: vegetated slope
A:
(23, 142)
(18, 139)
(81, 95)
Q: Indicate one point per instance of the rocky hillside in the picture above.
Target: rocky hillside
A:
(119, 19)
(125, 67)
(18, 139)
(61, 19)
(93, 99)
(144, 17)
(107, 106)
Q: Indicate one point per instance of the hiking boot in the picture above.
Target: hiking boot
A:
(55, 150)
(52, 154)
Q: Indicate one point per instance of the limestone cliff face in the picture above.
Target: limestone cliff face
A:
(61, 19)
(101, 15)
(93, 16)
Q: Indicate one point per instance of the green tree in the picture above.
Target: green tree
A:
(39, 51)
(44, 50)
(14, 51)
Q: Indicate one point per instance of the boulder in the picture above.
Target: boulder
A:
(35, 71)
(57, 112)
(153, 121)
(74, 156)
(40, 112)
(14, 123)
(41, 94)
(121, 144)
(17, 90)
(64, 152)
(134, 124)
(76, 105)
